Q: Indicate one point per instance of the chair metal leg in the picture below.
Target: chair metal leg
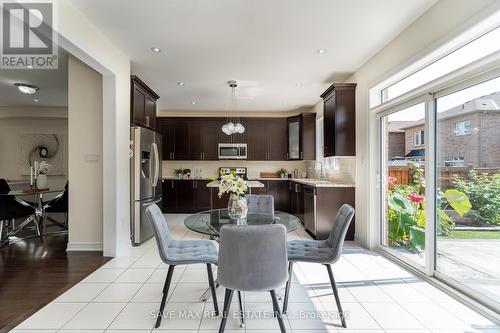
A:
(242, 310)
(212, 287)
(225, 312)
(277, 311)
(287, 288)
(166, 286)
(336, 294)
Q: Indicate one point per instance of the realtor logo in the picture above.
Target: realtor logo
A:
(28, 37)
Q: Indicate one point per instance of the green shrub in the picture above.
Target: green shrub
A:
(483, 191)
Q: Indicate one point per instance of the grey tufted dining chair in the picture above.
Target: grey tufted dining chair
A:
(325, 252)
(252, 258)
(261, 204)
(180, 252)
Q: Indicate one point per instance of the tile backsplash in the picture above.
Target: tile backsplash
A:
(337, 169)
(211, 168)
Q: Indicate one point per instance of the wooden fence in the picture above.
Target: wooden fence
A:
(404, 174)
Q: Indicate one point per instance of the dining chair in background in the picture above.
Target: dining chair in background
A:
(58, 205)
(260, 204)
(175, 252)
(252, 258)
(11, 209)
(325, 252)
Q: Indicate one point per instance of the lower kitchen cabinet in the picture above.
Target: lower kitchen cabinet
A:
(321, 204)
(279, 190)
(185, 195)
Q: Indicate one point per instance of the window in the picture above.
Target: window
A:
(473, 44)
(418, 138)
(463, 128)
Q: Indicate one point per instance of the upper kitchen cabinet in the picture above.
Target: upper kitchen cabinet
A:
(210, 138)
(266, 139)
(339, 120)
(142, 104)
(301, 133)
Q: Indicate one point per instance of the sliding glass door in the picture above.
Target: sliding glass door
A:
(468, 188)
(440, 185)
(403, 184)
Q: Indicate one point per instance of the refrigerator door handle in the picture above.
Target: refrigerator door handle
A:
(151, 166)
(157, 164)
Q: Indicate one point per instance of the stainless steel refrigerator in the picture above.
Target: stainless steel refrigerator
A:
(145, 180)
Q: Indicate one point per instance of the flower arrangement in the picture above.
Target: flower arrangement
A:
(43, 168)
(233, 184)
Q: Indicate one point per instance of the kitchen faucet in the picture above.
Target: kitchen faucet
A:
(321, 174)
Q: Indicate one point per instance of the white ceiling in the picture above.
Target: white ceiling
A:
(53, 85)
(268, 46)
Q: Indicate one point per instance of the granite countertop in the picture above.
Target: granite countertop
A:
(250, 183)
(254, 182)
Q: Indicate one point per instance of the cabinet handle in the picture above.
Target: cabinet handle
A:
(203, 155)
(194, 181)
(301, 155)
(287, 156)
(173, 155)
(172, 184)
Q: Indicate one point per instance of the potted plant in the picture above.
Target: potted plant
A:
(282, 172)
(178, 172)
(237, 188)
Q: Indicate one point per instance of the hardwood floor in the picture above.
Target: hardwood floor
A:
(35, 271)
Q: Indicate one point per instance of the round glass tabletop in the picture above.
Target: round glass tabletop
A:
(209, 222)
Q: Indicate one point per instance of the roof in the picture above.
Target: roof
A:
(416, 153)
(488, 103)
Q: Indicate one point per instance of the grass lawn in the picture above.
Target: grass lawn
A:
(474, 235)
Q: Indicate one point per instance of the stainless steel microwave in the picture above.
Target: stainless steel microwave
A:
(232, 151)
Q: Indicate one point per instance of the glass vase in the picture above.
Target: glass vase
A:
(237, 207)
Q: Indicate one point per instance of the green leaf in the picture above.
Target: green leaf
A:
(407, 222)
(458, 200)
(443, 216)
(400, 203)
(417, 237)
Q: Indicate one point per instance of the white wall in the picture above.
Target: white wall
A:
(15, 121)
(80, 37)
(431, 27)
(85, 155)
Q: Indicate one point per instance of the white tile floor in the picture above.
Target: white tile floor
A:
(377, 296)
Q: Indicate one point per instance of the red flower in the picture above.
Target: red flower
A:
(416, 197)
(392, 180)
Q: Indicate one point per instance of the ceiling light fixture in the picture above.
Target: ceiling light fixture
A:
(180, 83)
(321, 51)
(299, 84)
(193, 102)
(230, 127)
(26, 88)
(156, 49)
(35, 100)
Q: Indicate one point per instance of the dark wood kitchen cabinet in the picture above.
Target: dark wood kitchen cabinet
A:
(210, 138)
(276, 137)
(339, 120)
(257, 139)
(166, 127)
(142, 104)
(195, 139)
(279, 190)
(185, 195)
(181, 139)
(301, 137)
(266, 139)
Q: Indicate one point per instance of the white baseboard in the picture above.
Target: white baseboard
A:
(84, 247)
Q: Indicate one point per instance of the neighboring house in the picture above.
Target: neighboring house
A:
(468, 134)
(396, 139)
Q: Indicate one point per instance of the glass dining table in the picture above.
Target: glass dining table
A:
(39, 205)
(210, 222)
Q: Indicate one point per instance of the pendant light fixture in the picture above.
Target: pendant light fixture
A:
(233, 125)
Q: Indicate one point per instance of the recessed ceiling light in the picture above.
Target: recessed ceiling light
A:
(26, 88)
(156, 49)
(35, 100)
(193, 102)
(180, 83)
(321, 51)
(29, 66)
(299, 84)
